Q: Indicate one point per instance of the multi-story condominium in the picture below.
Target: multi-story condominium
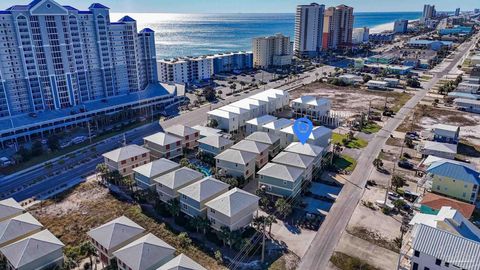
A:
(429, 12)
(360, 35)
(280, 180)
(338, 27)
(312, 107)
(188, 135)
(272, 51)
(233, 209)
(194, 196)
(169, 184)
(145, 175)
(127, 158)
(182, 261)
(214, 145)
(10, 208)
(400, 26)
(114, 235)
(454, 179)
(457, 12)
(162, 145)
(41, 250)
(236, 163)
(62, 66)
(228, 62)
(309, 29)
(261, 150)
(145, 253)
(185, 69)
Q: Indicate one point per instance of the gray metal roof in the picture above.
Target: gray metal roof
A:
(250, 146)
(9, 207)
(261, 120)
(263, 137)
(293, 159)
(215, 141)
(18, 226)
(233, 202)
(31, 248)
(181, 130)
(446, 246)
(304, 149)
(145, 252)
(115, 232)
(181, 262)
(279, 124)
(203, 189)
(156, 167)
(162, 139)
(280, 171)
(125, 152)
(236, 156)
(179, 178)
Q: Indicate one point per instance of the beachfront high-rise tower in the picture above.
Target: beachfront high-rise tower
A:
(429, 12)
(338, 27)
(55, 57)
(308, 30)
(271, 51)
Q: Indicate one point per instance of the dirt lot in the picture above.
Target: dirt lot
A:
(351, 99)
(89, 205)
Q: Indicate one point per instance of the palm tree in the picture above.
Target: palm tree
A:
(283, 207)
(69, 263)
(242, 84)
(225, 235)
(102, 169)
(269, 220)
(173, 207)
(89, 250)
(378, 163)
(184, 162)
(203, 224)
(128, 182)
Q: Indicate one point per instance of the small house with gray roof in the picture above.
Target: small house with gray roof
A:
(182, 262)
(16, 228)
(188, 135)
(257, 148)
(280, 180)
(272, 140)
(163, 145)
(214, 145)
(127, 158)
(10, 208)
(296, 160)
(145, 174)
(194, 196)
(169, 184)
(236, 163)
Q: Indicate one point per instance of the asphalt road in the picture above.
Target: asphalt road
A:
(326, 239)
(21, 184)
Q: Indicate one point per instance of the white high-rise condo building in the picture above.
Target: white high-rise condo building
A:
(360, 35)
(429, 12)
(185, 70)
(272, 51)
(308, 29)
(400, 26)
(338, 27)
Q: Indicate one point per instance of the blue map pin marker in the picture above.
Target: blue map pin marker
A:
(302, 127)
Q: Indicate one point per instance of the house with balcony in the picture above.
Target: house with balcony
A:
(214, 145)
(262, 105)
(269, 99)
(181, 262)
(259, 149)
(145, 253)
(114, 235)
(233, 209)
(311, 107)
(144, 175)
(169, 184)
(236, 163)
(17, 228)
(10, 208)
(194, 196)
(446, 133)
(162, 145)
(272, 140)
(188, 135)
(296, 160)
(126, 158)
(308, 149)
(256, 124)
(454, 179)
(280, 180)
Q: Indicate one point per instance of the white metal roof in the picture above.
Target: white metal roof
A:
(181, 262)
(262, 120)
(222, 114)
(278, 124)
(442, 147)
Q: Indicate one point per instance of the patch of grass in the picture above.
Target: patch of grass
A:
(347, 262)
(374, 238)
(289, 261)
(355, 143)
(337, 138)
(370, 128)
(345, 162)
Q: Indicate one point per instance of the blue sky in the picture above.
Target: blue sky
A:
(249, 6)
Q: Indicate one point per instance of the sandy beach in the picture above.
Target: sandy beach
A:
(385, 27)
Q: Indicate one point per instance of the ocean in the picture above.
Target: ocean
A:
(199, 34)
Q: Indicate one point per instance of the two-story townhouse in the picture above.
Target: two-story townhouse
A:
(454, 179)
(236, 163)
(144, 175)
(181, 262)
(262, 105)
(194, 196)
(226, 121)
(233, 209)
(162, 145)
(114, 235)
(280, 180)
(214, 145)
(127, 158)
(256, 124)
(272, 140)
(269, 100)
(146, 253)
(259, 149)
(169, 184)
(18, 227)
(252, 108)
(296, 160)
(10, 208)
(188, 135)
(243, 114)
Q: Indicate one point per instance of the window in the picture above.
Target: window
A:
(416, 253)
(284, 183)
(415, 266)
(438, 262)
(447, 264)
(124, 162)
(212, 210)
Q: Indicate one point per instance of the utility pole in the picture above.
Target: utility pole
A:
(263, 239)
(389, 182)
(124, 140)
(89, 132)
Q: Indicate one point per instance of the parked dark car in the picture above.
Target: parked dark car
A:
(406, 164)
